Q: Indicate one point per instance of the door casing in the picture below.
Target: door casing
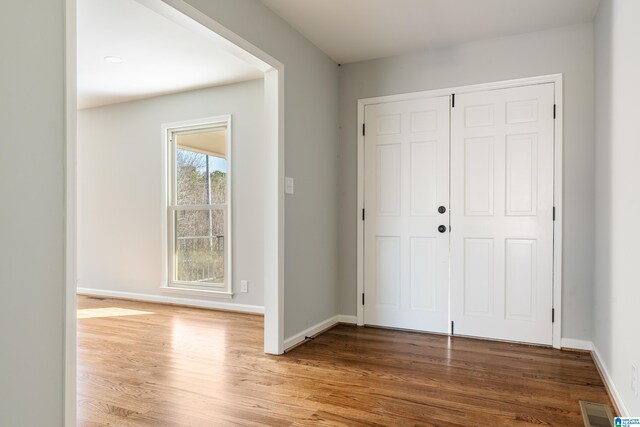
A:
(556, 79)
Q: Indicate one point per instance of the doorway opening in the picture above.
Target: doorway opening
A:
(177, 17)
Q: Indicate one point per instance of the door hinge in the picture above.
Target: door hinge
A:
(452, 327)
(453, 100)
(363, 129)
(363, 298)
(363, 214)
(554, 213)
(553, 315)
(554, 111)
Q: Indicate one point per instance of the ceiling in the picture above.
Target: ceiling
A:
(159, 56)
(357, 30)
(213, 142)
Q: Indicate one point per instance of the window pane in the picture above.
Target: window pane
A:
(218, 179)
(199, 245)
(201, 178)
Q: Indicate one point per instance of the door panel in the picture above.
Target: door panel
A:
(423, 273)
(388, 272)
(502, 145)
(424, 178)
(520, 278)
(479, 173)
(522, 175)
(478, 272)
(406, 271)
(388, 184)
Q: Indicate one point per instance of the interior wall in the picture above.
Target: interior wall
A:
(32, 218)
(566, 50)
(615, 308)
(31, 261)
(311, 153)
(120, 201)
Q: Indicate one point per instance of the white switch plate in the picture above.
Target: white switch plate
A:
(244, 286)
(288, 185)
(634, 379)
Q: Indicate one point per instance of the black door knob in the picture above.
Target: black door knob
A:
(442, 228)
(442, 209)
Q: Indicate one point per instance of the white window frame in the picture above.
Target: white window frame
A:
(169, 207)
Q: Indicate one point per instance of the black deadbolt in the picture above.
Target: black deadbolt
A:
(442, 228)
(442, 209)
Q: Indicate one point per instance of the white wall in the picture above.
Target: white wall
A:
(617, 281)
(31, 219)
(566, 50)
(119, 189)
(311, 153)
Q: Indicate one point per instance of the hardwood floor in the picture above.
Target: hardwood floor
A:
(155, 365)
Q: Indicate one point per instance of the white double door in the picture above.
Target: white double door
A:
(458, 228)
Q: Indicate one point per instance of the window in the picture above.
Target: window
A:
(198, 211)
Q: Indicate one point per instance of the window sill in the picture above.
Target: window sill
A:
(200, 292)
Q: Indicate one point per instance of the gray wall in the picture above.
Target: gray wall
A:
(32, 180)
(311, 152)
(31, 218)
(617, 289)
(566, 50)
(119, 191)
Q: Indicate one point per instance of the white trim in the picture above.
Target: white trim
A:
(611, 387)
(274, 208)
(556, 79)
(196, 292)
(311, 331)
(70, 224)
(360, 230)
(573, 344)
(557, 201)
(348, 319)
(162, 299)
(317, 328)
(432, 93)
(168, 194)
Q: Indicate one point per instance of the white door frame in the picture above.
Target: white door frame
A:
(556, 79)
(191, 18)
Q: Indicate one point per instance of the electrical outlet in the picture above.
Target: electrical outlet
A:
(634, 379)
(244, 286)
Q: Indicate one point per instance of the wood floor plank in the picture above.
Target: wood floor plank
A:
(177, 366)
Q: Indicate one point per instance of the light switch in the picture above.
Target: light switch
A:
(288, 185)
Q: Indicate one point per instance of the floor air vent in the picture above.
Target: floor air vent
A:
(596, 414)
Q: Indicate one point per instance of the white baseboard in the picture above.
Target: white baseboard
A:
(317, 328)
(309, 332)
(570, 343)
(613, 391)
(163, 299)
(351, 320)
